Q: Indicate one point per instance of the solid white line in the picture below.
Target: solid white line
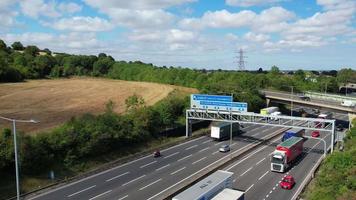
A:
(263, 175)
(191, 147)
(215, 152)
(154, 196)
(177, 171)
(185, 157)
(148, 164)
(162, 167)
(251, 154)
(249, 187)
(260, 161)
(100, 195)
(112, 169)
(88, 188)
(199, 160)
(204, 149)
(246, 171)
(110, 179)
(171, 155)
(150, 184)
(133, 180)
(123, 197)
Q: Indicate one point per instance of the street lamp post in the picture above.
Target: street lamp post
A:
(291, 102)
(15, 149)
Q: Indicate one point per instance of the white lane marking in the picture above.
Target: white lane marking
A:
(204, 149)
(218, 143)
(148, 164)
(162, 167)
(206, 141)
(177, 171)
(88, 188)
(150, 184)
(124, 197)
(249, 187)
(115, 177)
(215, 152)
(171, 155)
(274, 187)
(260, 161)
(191, 147)
(234, 165)
(102, 194)
(255, 134)
(263, 175)
(114, 168)
(185, 157)
(199, 160)
(219, 160)
(246, 171)
(133, 180)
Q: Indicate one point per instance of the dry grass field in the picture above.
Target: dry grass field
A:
(53, 102)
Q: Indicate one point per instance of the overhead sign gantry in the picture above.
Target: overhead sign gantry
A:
(225, 114)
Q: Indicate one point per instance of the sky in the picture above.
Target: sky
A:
(291, 34)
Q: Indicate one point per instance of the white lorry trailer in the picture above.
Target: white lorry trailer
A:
(221, 130)
(269, 110)
(208, 187)
(230, 194)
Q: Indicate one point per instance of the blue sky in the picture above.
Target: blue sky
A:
(299, 34)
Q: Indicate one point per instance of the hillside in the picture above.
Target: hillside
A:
(53, 102)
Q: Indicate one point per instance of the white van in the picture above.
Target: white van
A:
(348, 103)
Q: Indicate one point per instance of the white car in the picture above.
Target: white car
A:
(224, 148)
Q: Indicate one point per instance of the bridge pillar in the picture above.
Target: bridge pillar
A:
(188, 126)
(267, 102)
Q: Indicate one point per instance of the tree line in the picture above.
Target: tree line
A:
(89, 136)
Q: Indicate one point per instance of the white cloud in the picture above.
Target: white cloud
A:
(37, 8)
(146, 36)
(269, 20)
(252, 37)
(69, 7)
(248, 3)
(103, 5)
(7, 14)
(179, 36)
(231, 37)
(91, 24)
(141, 19)
(85, 43)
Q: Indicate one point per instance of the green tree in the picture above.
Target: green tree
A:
(32, 50)
(17, 46)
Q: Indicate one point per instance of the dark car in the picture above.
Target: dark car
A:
(156, 153)
(339, 127)
(304, 98)
(287, 182)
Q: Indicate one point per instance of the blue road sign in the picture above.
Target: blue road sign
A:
(215, 102)
(203, 97)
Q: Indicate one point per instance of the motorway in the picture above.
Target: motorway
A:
(252, 173)
(147, 177)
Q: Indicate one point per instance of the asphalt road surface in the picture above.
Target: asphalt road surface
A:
(147, 177)
(253, 174)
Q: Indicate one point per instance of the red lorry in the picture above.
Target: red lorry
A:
(285, 153)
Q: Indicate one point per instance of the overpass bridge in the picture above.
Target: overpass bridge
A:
(317, 100)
